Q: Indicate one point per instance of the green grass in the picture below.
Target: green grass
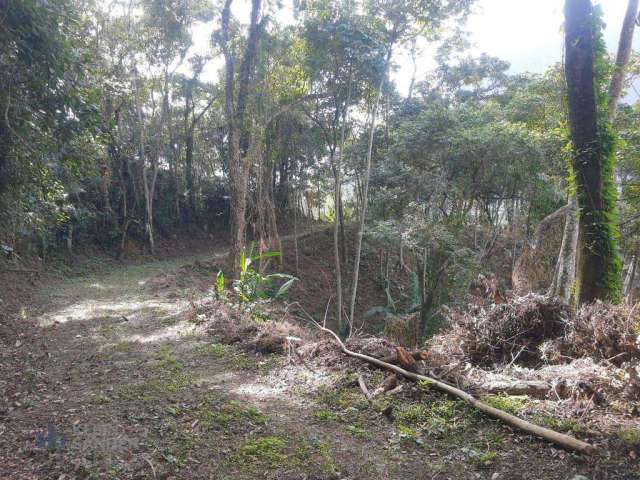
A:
(224, 414)
(630, 436)
(268, 451)
(325, 415)
(438, 417)
(215, 350)
(506, 403)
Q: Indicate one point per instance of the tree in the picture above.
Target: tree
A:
(598, 265)
(562, 283)
(235, 109)
(622, 58)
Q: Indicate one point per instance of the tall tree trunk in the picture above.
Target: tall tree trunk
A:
(596, 256)
(622, 58)
(338, 225)
(566, 265)
(191, 194)
(336, 244)
(365, 191)
(628, 281)
(295, 232)
(148, 201)
(235, 113)
(565, 269)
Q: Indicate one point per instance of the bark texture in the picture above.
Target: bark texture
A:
(595, 255)
(566, 266)
(235, 109)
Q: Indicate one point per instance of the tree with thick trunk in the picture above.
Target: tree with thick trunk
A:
(235, 108)
(598, 265)
(565, 270)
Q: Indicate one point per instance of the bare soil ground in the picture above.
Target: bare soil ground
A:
(121, 380)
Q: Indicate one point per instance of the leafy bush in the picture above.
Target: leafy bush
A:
(254, 285)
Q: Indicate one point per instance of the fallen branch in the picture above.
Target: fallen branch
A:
(565, 441)
(389, 383)
(363, 387)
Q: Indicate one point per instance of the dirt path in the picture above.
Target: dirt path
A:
(124, 383)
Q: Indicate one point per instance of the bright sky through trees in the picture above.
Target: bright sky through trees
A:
(527, 34)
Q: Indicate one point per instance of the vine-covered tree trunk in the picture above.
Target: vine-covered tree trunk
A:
(565, 270)
(597, 263)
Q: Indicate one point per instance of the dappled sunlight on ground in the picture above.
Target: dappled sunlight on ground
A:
(168, 333)
(100, 309)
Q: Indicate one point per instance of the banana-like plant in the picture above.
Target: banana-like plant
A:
(253, 285)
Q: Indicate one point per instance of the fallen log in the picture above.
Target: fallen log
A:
(565, 441)
(532, 388)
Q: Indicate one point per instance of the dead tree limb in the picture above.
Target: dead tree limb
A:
(363, 387)
(564, 441)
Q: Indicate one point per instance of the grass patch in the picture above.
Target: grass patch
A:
(357, 431)
(343, 398)
(326, 415)
(561, 425)
(215, 350)
(221, 413)
(506, 403)
(443, 416)
(268, 451)
(630, 436)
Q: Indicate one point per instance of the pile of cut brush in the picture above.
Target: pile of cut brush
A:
(532, 345)
(537, 345)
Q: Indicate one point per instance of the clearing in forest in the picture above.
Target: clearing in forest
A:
(124, 381)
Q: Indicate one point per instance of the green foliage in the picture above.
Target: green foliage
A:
(507, 403)
(630, 436)
(438, 417)
(253, 285)
(604, 235)
(220, 282)
(267, 450)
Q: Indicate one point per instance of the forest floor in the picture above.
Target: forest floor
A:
(119, 382)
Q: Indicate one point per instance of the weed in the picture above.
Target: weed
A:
(481, 459)
(343, 398)
(630, 436)
(325, 415)
(99, 399)
(215, 350)
(357, 431)
(505, 403)
(438, 417)
(561, 425)
(266, 450)
(224, 414)
(407, 433)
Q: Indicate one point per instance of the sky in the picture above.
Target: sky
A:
(526, 33)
